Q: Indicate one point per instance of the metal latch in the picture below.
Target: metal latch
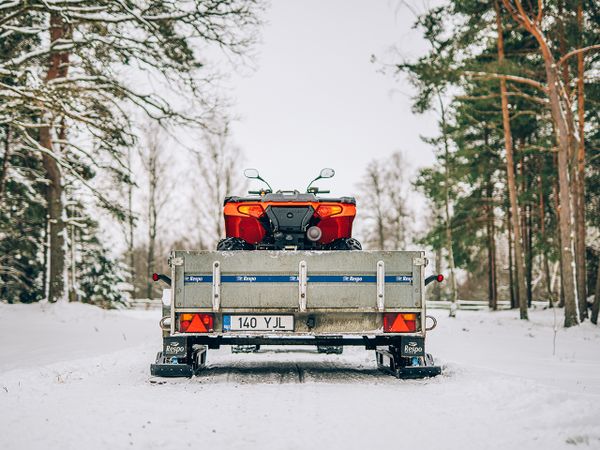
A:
(420, 261)
(176, 262)
(302, 285)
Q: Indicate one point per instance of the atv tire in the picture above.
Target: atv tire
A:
(345, 244)
(233, 243)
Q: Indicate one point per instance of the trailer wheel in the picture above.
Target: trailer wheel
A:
(233, 243)
(345, 244)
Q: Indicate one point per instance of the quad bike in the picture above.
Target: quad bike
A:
(289, 220)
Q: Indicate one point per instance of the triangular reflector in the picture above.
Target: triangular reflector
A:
(197, 326)
(399, 324)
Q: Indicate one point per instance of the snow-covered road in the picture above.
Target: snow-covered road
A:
(76, 377)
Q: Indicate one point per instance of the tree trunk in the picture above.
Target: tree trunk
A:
(5, 161)
(511, 277)
(131, 229)
(561, 301)
(529, 261)
(152, 219)
(544, 242)
(526, 229)
(491, 238)
(449, 240)
(580, 181)
(566, 228)
(575, 148)
(56, 241)
(510, 169)
(58, 66)
(46, 256)
(596, 305)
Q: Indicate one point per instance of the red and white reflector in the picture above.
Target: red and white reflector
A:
(399, 322)
(196, 323)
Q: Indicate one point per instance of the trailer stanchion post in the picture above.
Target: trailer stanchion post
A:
(380, 285)
(302, 284)
(216, 286)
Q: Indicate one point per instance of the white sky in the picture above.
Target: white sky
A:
(315, 99)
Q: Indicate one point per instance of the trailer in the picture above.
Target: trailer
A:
(323, 298)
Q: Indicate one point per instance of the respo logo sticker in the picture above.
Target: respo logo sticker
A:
(413, 348)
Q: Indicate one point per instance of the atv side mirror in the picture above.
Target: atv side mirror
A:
(251, 173)
(327, 173)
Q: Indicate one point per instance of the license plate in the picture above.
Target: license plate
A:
(258, 323)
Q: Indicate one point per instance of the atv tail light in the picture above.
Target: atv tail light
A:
(253, 210)
(440, 278)
(196, 323)
(329, 210)
(399, 322)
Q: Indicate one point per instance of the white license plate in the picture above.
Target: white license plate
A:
(258, 323)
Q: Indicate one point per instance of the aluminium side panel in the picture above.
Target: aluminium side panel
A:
(269, 279)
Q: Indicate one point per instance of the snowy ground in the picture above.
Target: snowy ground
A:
(76, 377)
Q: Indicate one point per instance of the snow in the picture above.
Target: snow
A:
(74, 376)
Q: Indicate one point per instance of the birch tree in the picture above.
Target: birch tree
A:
(219, 165)
(157, 189)
(383, 197)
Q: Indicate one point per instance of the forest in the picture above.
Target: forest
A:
(94, 94)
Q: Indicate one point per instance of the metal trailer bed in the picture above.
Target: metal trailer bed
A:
(327, 299)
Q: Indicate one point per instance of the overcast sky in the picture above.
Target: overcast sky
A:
(316, 100)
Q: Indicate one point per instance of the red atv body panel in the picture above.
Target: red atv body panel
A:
(247, 218)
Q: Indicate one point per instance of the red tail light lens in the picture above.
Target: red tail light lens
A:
(196, 323)
(329, 210)
(440, 278)
(399, 322)
(251, 209)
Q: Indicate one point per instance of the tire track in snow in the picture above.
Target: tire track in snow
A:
(300, 373)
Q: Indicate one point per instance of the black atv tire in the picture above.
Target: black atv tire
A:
(233, 243)
(345, 244)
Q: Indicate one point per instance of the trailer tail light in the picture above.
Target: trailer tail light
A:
(196, 323)
(329, 210)
(399, 322)
(252, 210)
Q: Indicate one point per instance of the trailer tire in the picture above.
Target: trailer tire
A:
(345, 244)
(233, 243)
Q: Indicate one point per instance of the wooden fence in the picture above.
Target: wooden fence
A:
(471, 305)
(479, 305)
